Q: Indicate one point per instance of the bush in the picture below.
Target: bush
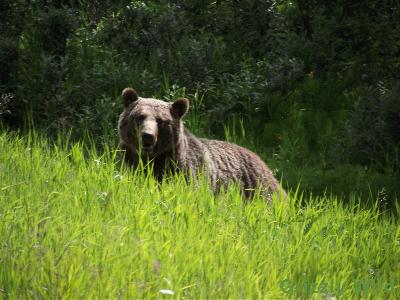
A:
(372, 131)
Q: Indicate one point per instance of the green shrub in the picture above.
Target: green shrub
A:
(372, 131)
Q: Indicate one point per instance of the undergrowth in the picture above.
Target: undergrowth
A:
(75, 224)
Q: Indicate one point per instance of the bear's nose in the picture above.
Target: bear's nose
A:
(147, 139)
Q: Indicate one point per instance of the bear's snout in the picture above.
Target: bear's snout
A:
(148, 134)
(148, 139)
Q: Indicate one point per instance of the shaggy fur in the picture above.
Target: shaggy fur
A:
(153, 130)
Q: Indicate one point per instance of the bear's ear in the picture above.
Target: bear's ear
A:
(129, 95)
(179, 107)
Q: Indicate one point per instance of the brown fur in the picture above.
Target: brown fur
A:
(153, 129)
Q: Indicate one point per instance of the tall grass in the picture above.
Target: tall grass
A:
(75, 224)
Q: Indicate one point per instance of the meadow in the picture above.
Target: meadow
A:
(74, 223)
(310, 86)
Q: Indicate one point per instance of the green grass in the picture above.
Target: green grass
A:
(75, 224)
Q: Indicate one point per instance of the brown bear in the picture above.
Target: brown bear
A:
(152, 130)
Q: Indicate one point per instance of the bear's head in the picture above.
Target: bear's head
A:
(149, 126)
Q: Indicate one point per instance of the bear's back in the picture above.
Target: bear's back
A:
(229, 162)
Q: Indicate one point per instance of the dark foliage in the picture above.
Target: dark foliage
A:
(315, 81)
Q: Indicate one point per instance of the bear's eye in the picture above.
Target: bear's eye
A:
(140, 118)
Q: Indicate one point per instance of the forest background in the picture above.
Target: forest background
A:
(311, 86)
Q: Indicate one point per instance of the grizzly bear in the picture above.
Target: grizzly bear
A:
(153, 130)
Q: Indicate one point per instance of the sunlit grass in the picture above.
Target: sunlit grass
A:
(76, 224)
